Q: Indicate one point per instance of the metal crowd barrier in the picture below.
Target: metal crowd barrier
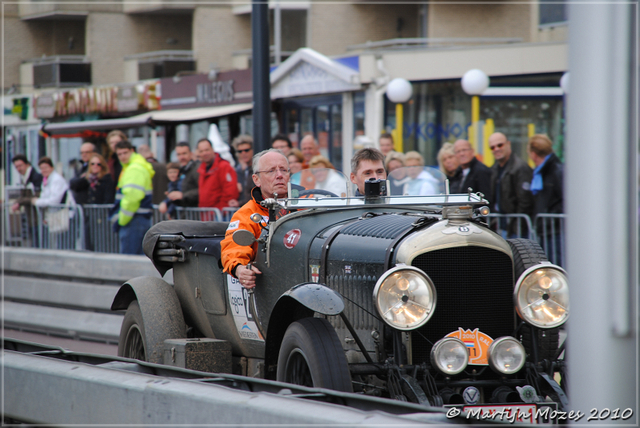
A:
(550, 231)
(57, 226)
(99, 230)
(202, 214)
(500, 223)
(90, 228)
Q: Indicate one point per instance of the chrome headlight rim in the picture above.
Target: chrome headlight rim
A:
(493, 351)
(414, 270)
(518, 288)
(437, 348)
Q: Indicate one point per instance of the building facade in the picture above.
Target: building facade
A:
(57, 47)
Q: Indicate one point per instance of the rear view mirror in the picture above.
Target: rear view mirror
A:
(243, 237)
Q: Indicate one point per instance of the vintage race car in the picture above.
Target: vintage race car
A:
(392, 294)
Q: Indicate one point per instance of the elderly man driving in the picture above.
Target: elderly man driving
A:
(271, 176)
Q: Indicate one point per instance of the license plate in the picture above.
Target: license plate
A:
(521, 413)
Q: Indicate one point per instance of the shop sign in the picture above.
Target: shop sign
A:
(18, 108)
(91, 100)
(200, 90)
(127, 99)
(45, 106)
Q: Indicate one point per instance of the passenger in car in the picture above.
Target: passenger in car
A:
(366, 164)
(271, 176)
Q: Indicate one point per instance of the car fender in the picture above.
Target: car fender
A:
(298, 302)
(160, 307)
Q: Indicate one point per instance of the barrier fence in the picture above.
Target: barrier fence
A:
(88, 227)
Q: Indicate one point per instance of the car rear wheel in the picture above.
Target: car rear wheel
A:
(311, 355)
(527, 253)
(131, 343)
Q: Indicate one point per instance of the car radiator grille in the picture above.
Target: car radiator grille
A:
(475, 290)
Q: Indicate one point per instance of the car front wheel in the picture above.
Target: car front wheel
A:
(311, 355)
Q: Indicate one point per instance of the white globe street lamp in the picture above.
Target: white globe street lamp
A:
(474, 83)
(399, 91)
(564, 82)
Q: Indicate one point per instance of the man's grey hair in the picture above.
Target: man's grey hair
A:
(369, 154)
(242, 139)
(257, 156)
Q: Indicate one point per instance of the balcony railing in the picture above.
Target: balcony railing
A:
(158, 64)
(61, 71)
(431, 42)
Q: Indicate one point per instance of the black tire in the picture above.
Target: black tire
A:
(132, 342)
(527, 253)
(311, 355)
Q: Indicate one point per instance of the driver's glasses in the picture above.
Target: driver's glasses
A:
(273, 171)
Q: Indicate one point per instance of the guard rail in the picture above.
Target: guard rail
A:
(67, 293)
(47, 385)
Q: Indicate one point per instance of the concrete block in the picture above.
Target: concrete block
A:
(202, 354)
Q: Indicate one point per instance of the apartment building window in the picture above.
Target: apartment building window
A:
(553, 12)
(293, 31)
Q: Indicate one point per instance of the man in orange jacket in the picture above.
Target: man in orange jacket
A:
(271, 176)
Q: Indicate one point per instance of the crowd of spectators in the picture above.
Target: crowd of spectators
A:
(204, 179)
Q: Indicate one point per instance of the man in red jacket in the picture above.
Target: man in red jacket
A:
(218, 185)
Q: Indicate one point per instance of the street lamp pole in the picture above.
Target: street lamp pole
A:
(474, 83)
(399, 91)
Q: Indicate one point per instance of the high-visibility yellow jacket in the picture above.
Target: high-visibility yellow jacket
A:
(134, 191)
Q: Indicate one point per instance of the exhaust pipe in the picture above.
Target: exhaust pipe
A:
(504, 394)
(449, 396)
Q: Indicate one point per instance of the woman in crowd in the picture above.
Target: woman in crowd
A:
(97, 187)
(394, 163)
(54, 185)
(56, 218)
(447, 160)
(295, 159)
(325, 176)
(96, 182)
(421, 182)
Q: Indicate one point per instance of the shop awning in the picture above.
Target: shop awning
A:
(150, 118)
(196, 114)
(97, 125)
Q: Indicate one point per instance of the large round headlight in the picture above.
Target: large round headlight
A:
(542, 296)
(506, 355)
(405, 297)
(450, 355)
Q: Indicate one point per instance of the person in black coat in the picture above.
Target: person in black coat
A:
(548, 194)
(548, 176)
(95, 186)
(471, 173)
(30, 182)
(510, 186)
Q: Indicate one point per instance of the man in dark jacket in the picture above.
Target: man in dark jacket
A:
(510, 184)
(243, 145)
(548, 177)
(30, 186)
(548, 195)
(471, 173)
(188, 195)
